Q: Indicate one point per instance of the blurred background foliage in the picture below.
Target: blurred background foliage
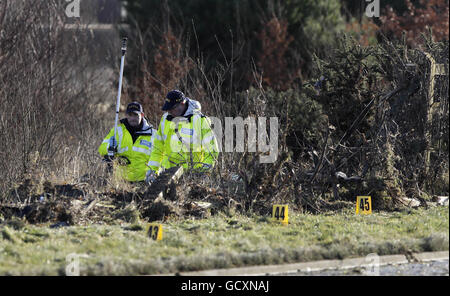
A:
(277, 38)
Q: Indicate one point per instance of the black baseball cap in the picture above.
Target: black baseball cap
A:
(172, 98)
(135, 107)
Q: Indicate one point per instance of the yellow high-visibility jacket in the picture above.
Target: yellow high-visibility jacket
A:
(137, 152)
(186, 141)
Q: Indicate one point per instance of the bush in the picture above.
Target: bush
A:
(49, 92)
(302, 116)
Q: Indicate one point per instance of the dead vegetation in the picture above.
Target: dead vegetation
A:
(381, 152)
(370, 121)
(84, 203)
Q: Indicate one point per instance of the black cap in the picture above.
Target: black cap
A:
(135, 107)
(173, 97)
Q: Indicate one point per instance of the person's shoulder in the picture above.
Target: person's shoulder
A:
(198, 112)
(203, 115)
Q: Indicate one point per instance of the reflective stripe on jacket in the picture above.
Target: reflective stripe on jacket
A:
(187, 140)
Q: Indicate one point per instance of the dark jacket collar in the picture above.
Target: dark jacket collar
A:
(193, 107)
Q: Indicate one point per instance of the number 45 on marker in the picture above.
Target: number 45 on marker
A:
(363, 205)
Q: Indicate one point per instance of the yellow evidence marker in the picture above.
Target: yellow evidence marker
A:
(280, 214)
(363, 205)
(154, 231)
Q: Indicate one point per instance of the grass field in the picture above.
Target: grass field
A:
(220, 241)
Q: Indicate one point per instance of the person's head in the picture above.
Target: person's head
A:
(134, 114)
(175, 104)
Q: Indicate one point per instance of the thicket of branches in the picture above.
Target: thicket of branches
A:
(363, 131)
(348, 104)
(354, 111)
(51, 82)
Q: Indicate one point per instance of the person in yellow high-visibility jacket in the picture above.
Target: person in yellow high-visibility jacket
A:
(134, 144)
(184, 137)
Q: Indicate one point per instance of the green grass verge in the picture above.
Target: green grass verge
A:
(219, 242)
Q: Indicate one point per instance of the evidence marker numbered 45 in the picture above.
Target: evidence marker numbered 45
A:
(154, 231)
(280, 214)
(363, 205)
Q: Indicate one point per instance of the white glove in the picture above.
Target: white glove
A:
(206, 166)
(150, 177)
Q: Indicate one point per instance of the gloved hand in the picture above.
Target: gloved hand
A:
(112, 148)
(206, 166)
(150, 177)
